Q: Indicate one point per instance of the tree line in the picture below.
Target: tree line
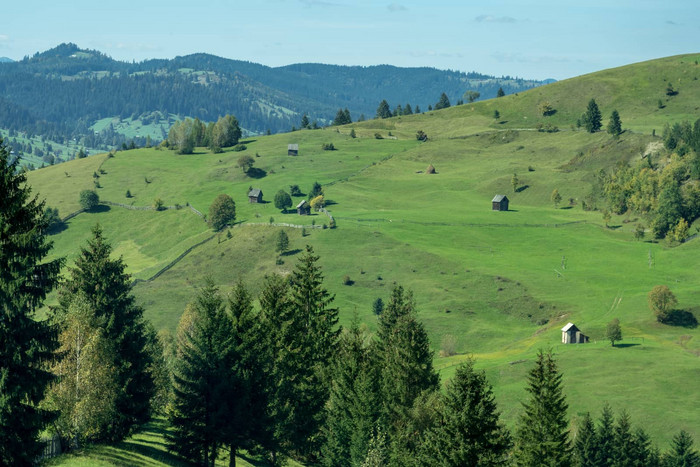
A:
(281, 380)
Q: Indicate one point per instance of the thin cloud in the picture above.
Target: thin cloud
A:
(518, 58)
(4, 38)
(394, 7)
(313, 3)
(672, 23)
(494, 19)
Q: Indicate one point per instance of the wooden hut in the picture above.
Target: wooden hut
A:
(255, 196)
(499, 203)
(570, 334)
(430, 169)
(292, 149)
(303, 208)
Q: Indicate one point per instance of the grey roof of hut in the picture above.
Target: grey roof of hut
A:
(498, 198)
(293, 147)
(255, 192)
(301, 203)
(568, 326)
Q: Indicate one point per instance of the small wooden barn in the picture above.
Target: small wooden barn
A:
(293, 150)
(570, 334)
(255, 196)
(430, 169)
(499, 203)
(303, 208)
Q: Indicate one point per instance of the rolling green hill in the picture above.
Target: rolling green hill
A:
(493, 285)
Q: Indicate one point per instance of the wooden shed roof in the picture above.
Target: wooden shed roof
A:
(293, 147)
(498, 198)
(255, 192)
(568, 327)
(301, 203)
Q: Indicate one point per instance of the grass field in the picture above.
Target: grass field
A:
(500, 284)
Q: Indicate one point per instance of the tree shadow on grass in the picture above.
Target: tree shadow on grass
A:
(624, 346)
(291, 252)
(100, 208)
(681, 318)
(255, 172)
(520, 189)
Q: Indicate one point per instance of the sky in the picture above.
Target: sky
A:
(537, 39)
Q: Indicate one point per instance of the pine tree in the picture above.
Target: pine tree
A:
(585, 444)
(107, 288)
(592, 118)
(623, 441)
(542, 436)
(305, 121)
(282, 242)
(25, 343)
(642, 454)
(346, 116)
(615, 125)
(500, 93)
(204, 381)
(407, 110)
(468, 432)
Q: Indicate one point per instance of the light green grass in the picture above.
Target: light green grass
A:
(487, 278)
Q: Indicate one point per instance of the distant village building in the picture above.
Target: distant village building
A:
(303, 208)
(293, 150)
(430, 169)
(570, 334)
(499, 203)
(255, 196)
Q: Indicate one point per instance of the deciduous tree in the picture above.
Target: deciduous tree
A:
(282, 200)
(661, 302)
(222, 212)
(613, 332)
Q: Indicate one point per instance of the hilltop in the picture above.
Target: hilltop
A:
(69, 93)
(493, 285)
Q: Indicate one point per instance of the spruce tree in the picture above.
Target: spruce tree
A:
(443, 102)
(107, 288)
(353, 407)
(542, 436)
(585, 447)
(615, 125)
(592, 118)
(642, 453)
(405, 359)
(204, 384)
(468, 432)
(26, 344)
(623, 441)
(682, 453)
(317, 322)
(383, 111)
(500, 93)
(605, 438)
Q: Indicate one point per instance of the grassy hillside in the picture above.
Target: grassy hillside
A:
(494, 285)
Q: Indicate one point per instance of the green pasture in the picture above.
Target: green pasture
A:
(498, 285)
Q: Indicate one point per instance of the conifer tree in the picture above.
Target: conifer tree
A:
(107, 288)
(443, 102)
(316, 321)
(468, 431)
(353, 407)
(615, 124)
(383, 111)
(682, 453)
(500, 93)
(605, 438)
(642, 453)
(407, 110)
(204, 385)
(585, 447)
(26, 344)
(592, 118)
(405, 359)
(623, 441)
(305, 121)
(542, 436)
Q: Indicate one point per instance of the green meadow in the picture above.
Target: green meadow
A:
(493, 285)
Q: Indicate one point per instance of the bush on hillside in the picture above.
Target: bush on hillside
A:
(89, 199)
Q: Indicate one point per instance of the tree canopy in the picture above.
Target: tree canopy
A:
(222, 212)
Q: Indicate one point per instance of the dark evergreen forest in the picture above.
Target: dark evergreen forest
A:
(61, 92)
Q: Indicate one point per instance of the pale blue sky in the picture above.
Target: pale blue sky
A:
(530, 39)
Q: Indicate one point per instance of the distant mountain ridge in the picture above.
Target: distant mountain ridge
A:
(63, 91)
